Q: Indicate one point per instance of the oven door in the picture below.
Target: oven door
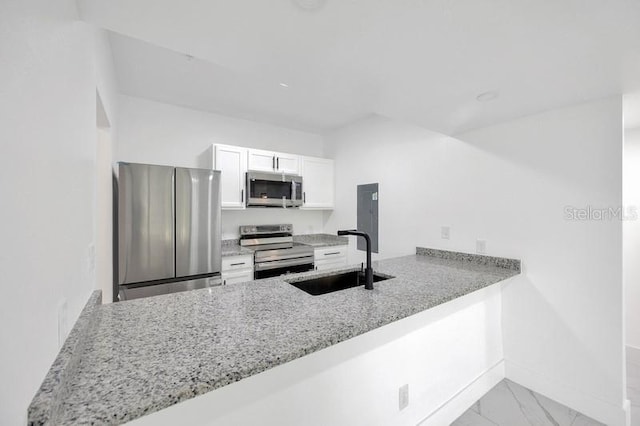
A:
(273, 190)
(281, 267)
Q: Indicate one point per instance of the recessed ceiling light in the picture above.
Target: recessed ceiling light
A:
(488, 96)
(284, 85)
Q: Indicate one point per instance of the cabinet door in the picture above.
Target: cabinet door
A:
(237, 277)
(330, 257)
(232, 163)
(325, 266)
(287, 163)
(317, 183)
(262, 161)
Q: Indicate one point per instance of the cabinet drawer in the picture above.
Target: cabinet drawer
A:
(333, 252)
(233, 263)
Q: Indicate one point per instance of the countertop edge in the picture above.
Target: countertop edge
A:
(481, 259)
(43, 407)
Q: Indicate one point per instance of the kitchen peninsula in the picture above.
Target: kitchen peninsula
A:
(126, 360)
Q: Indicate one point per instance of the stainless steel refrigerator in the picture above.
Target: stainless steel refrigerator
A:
(168, 230)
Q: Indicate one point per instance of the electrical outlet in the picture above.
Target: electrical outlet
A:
(62, 322)
(445, 232)
(403, 397)
(481, 246)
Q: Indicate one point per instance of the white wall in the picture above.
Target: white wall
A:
(107, 94)
(157, 133)
(48, 80)
(509, 185)
(632, 237)
(356, 382)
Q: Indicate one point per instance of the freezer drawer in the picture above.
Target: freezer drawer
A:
(198, 249)
(129, 293)
(145, 223)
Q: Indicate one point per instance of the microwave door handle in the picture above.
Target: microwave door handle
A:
(293, 191)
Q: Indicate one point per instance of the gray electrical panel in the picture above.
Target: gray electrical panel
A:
(368, 215)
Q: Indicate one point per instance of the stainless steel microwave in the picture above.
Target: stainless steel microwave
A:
(274, 190)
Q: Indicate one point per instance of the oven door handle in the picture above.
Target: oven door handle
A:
(265, 266)
(283, 256)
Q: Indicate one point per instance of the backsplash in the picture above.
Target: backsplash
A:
(304, 221)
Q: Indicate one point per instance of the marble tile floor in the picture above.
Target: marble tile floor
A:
(509, 404)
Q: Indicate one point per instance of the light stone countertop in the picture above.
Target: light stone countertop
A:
(321, 240)
(233, 248)
(144, 355)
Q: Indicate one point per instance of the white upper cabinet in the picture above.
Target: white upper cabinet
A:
(317, 183)
(232, 162)
(274, 162)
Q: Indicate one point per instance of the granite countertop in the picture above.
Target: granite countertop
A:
(321, 240)
(143, 355)
(233, 248)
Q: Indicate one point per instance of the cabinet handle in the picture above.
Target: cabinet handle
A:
(224, 282)
(332, 253)
(273, 162)
(304, 197)
(278, 163)
(237, 264)
(242, 196)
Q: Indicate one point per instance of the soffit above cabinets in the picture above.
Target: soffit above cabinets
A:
(420, 61)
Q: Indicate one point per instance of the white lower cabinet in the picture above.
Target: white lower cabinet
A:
(330, 257)
(237, 269)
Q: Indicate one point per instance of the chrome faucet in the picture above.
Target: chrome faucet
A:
(368, 272)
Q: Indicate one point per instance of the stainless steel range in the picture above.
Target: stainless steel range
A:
(275, 252)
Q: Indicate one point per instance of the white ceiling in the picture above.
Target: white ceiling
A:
(422, 61)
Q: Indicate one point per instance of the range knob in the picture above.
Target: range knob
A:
(248, 230)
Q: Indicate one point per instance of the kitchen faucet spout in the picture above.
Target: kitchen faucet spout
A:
(368, 272)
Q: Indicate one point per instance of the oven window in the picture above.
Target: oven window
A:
(268, 189)
(283, 271)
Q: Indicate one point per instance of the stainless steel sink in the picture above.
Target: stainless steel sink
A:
(331, 283)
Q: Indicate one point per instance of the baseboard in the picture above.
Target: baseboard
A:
(453, 408)
(596, 408)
